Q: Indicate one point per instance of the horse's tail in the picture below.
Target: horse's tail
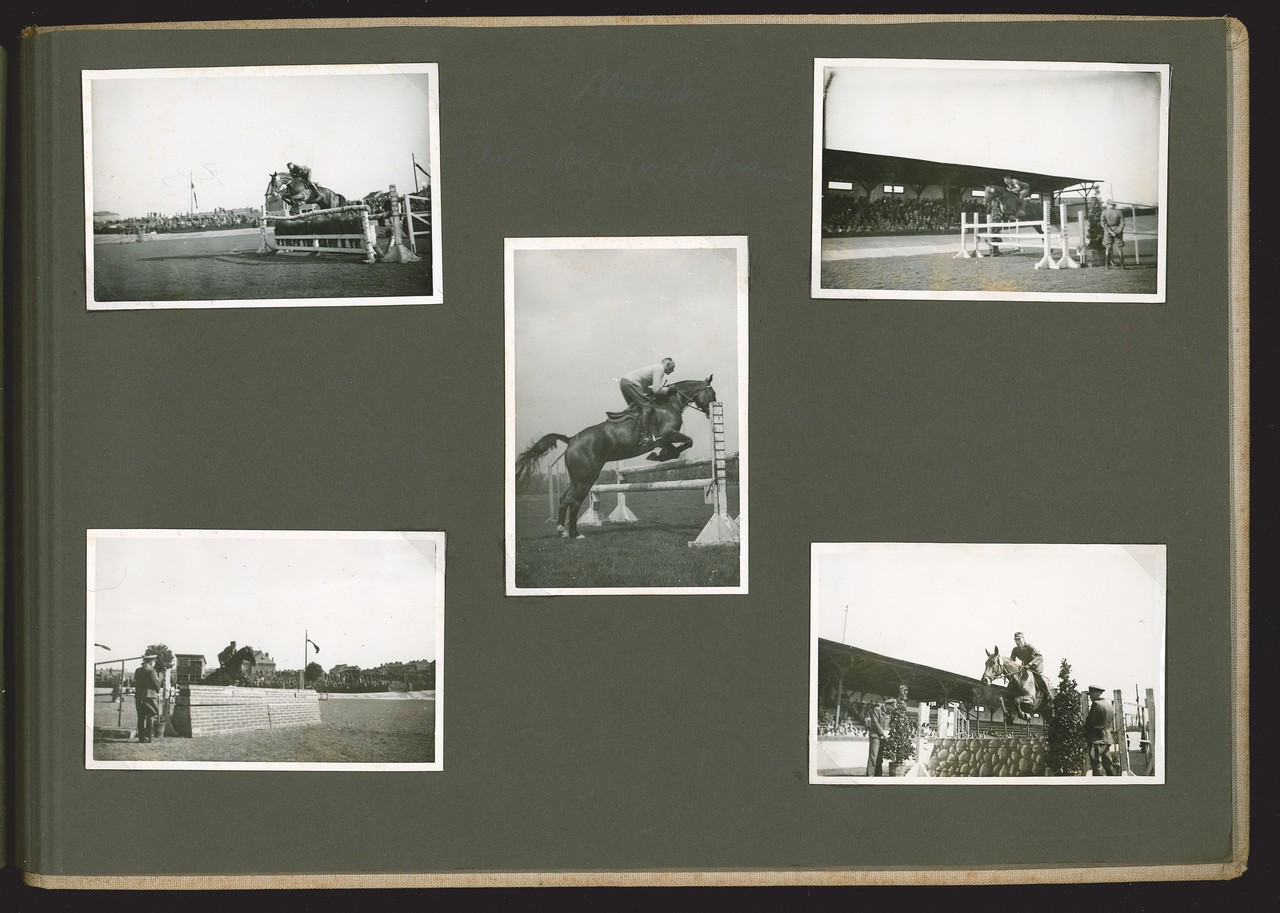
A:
(527, 462)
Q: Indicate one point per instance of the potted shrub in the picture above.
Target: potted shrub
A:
(1064, 732)
(1096, 253)
(900, 746)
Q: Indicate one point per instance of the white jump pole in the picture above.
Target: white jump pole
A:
(721, 528)
(1046, 262)
(1065, 262)
(622, 513)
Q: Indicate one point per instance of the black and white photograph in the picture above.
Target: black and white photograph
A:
(626, 415)
(265, 650)
(262, 186)
(996, 180)
(987, 663)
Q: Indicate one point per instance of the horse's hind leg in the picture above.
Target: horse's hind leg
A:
(571, 504)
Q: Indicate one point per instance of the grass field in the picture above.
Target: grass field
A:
(351, 730)
(1013, 272)
(651, 553)
(227, 266)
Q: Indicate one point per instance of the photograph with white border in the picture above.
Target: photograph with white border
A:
(989, 179)
(626, 415)
(264, 650)
(264, 186)
(986, 663)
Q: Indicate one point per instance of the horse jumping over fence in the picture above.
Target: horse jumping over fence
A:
(612, 440)
(721, 529)
(993, 235)
(1025, 692)
(231, 669)
(294, 192)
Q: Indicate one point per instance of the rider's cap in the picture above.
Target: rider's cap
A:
(148, 657)
(1095, 691)
(1018, 634)
(1111, 202)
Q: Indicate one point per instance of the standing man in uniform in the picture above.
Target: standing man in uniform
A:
(878, 730)
(1097, 732)
(146, 697)
(639, 388)
(1113, 233)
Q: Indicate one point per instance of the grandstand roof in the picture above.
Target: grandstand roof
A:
(842, 165)
(871, 672)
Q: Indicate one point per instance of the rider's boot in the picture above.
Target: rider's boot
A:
(646, 424)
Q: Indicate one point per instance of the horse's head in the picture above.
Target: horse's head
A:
(697, 393)
(703, 399)
(996, 667)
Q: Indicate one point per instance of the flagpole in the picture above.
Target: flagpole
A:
(413, 158)
(302, 676)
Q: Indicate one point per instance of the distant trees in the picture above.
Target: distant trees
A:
(312, 672)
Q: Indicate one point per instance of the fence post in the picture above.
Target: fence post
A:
(397, 250)
(721, 528)
(1151, 732)
(622, 513)
(1120, 731)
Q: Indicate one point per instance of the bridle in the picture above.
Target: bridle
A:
(684, 401)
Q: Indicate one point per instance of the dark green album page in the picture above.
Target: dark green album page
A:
(636, 730)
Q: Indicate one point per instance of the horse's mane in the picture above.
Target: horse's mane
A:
(686, 387)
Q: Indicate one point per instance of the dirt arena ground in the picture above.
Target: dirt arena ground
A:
(1012, 272)
(351, 730)
(226, 266)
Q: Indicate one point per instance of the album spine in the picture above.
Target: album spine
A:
(29, 463)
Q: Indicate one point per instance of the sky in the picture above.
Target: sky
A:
(364, 598)
(357, 131)
(1101, 607)
(1103, 125)
(583, 318)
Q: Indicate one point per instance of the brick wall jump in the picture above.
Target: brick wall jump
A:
(211, 709)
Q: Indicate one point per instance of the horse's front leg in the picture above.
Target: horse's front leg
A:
(671, 445)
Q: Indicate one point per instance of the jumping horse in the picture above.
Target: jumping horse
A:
(231, 670)
(618, 438)
(1007, 206)
(294, 192)
(1025, 692)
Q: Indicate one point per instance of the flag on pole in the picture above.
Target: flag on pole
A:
(420, 168)
(314, 644)
(195, 203)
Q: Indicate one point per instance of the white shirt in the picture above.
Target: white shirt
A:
(648, 378)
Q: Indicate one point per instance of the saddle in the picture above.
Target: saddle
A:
(632, 412)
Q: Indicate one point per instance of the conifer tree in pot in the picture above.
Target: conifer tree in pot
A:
(1065, 730)
(900, 746)
(1094, 216)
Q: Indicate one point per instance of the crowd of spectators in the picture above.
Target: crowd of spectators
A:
(349, 681)
(860, 216)
(202, 221)
(853, 715)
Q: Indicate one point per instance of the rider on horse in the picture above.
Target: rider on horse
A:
(1021, 188)
(639, 388)
(1032, 660)
(301, 171)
